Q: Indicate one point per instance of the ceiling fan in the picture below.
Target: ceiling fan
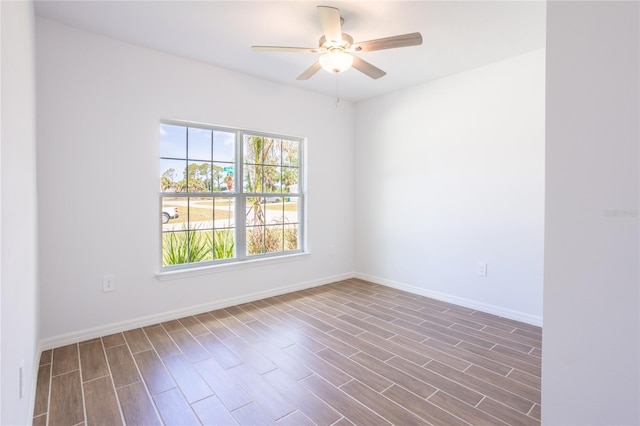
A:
(337, 48)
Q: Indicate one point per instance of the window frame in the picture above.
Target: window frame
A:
(239, 196)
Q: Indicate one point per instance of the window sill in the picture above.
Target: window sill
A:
(212, 269)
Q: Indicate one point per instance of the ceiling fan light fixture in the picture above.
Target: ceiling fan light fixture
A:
(336, 61)
(336, 47)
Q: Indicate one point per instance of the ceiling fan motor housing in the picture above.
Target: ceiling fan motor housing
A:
(343, 45)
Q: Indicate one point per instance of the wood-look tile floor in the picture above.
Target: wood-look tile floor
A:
(351, 352)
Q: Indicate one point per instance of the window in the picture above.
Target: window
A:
(228, 195)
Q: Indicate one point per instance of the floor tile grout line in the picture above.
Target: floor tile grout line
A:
(473, 406)
(66, 372)
(532, 362)
(162, 361)
(513, 341)
(511, 408)
(49, 392)
(84, 403)
(113, 384)
(396, 384)
(354, 399)
(381, 395)
(499, 387)
(144, 383)
(128, 384)
(96, 378)
(480, 402)
(418, 396)
(444, 377)
(447, 411)
(430, 384)
(502, 363)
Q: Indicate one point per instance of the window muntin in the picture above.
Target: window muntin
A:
(218, 220)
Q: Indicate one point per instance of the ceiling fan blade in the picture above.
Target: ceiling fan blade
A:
(331, 25)
(310, 71)
(367, 68)
(411, 39)
(284, 49)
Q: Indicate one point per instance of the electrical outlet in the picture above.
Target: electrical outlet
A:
(482, 269)
(108, 283)
(332, 250)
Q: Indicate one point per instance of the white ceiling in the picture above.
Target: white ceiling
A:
(458, 35)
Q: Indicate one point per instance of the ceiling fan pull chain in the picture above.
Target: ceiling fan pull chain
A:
(337, 89)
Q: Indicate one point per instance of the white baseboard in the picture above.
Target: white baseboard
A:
(105, 330)
(91, 333)
(467, 303)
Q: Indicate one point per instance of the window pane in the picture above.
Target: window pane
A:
(224, 244)
(173, 214)
(179, 247)
(199, 144)
(199, 177)
(200, 246)
(252, 149)
(223, 177)
(264, 239)
(200, 213)
(254, 211)
(175, 248)
(284, 210)
(224, 146)
(271, 179)
(274, 210)
(291, 240)
(272, 151)
(172, 175)
(252, 178)
(289, 179)
(173, 141)
(273, 239)
(224, 213)
(292, 210)
(290, 153)
(255, 240)
(261, 150)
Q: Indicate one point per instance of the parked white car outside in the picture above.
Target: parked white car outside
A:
(169, 213)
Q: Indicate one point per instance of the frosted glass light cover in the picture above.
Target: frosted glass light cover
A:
(336, 61)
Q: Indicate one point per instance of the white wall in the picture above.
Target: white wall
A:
(451, 173)
(18, 221)
(591, 337)
(99, 105)
(459, 160)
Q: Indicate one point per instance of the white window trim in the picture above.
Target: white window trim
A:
(241, 260)
(175, 274)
